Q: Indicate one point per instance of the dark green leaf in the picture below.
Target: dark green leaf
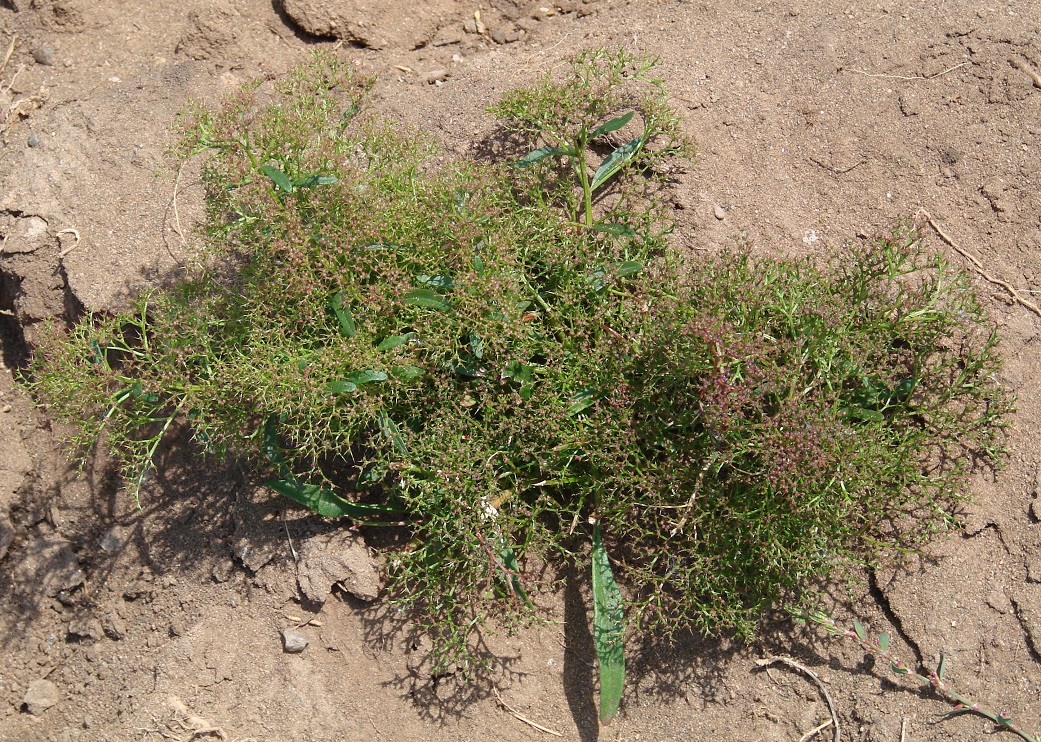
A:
(278, 177)
(611, 228)
(392, 432)
(943, 667)
(438, 282)
(613, 125)
(615, 162)
(365, 377)
(477, 345)
(313, 180)
(898, 669)
(271, 445)
(519, 372)
(406, 373)
(341, 387)
(629, 268)
(540, 154)
(608, 630)
(582, 399)
(340, 304)
(394, 341)
(427, 298)
(509, 560)
(325, 502)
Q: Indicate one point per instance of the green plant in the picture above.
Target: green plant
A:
(879, 648)
(446, 348)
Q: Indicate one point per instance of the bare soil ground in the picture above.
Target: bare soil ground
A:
(816, 120)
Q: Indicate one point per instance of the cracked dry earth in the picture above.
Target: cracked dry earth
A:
(816, 121)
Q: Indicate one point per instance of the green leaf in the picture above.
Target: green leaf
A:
(310, 181)
(541, 154)
(406, 373)
(362, 378)
(340, 304)
(898, 669)
(629, 268)
(341, 387)
(943, 667)
(883, 641)
(271, 446)
(394, 341)
(519, 372)
(392, 432)
(582, 399)
(427, 298)
(278, 177)
(615, 162)
(858, 627)
(608, 630)
(612, 228)
(477, 345)
(612, 125)
(509, 560)
(438, 282)
(323, 501)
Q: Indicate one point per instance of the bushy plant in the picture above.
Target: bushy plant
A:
(514, 364)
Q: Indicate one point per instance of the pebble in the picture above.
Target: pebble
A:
(435, 76)
(42, 694)
(33, 141)
(719, 212)
(44, 54)
(293, 641)
(1035, 509)
(113, 541)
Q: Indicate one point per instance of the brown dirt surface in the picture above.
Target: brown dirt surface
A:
(817, 121)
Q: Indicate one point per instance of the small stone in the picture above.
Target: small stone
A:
(435, 76)
(114, 627)
(222, 570)
(86, 626)
(1034, 570)
(293, 641)
(33, 141)
(1036, 491)
(505, 34)
(42, 694)
(44, 54)
(719, 212)
(470, 25)
(113, 541)
(1035, 510)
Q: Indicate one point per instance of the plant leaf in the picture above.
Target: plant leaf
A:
(361, 378)
(509, 560)
(898, 669)
(323, 501)
(613, 125)
(942, 668)
(278, 177)
(541, 154)
(612, 228)
(310, 181)
(615, 162)
(394, 341)
(406, 373)
(390, 429)
(438, 282)
(271, 446)
(582, 399)
(427, 298)
(341, 387)
(342, 309)
(608, 630)
(629, 268)
(861, 631)
(883, 641)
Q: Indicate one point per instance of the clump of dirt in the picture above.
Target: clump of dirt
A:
(816, 121)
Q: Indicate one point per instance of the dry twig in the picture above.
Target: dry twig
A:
(75, 233)
(907, 77)
(820, 727)
(518, 716)
(7, 56)
(1026, 69)
(977, 264)
(767, 661)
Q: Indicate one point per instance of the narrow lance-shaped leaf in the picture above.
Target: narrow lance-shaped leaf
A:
(615, 162)
(323, 501)
(340, 304)
(541, 154)
(427, 298)
(278, 177)
(608, 630)
(613, 125)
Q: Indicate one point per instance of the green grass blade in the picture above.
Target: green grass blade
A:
(608, 630)
(540, 154)
(325, 502)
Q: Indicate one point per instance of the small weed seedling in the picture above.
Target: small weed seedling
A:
(513, 368)
(879, 647)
